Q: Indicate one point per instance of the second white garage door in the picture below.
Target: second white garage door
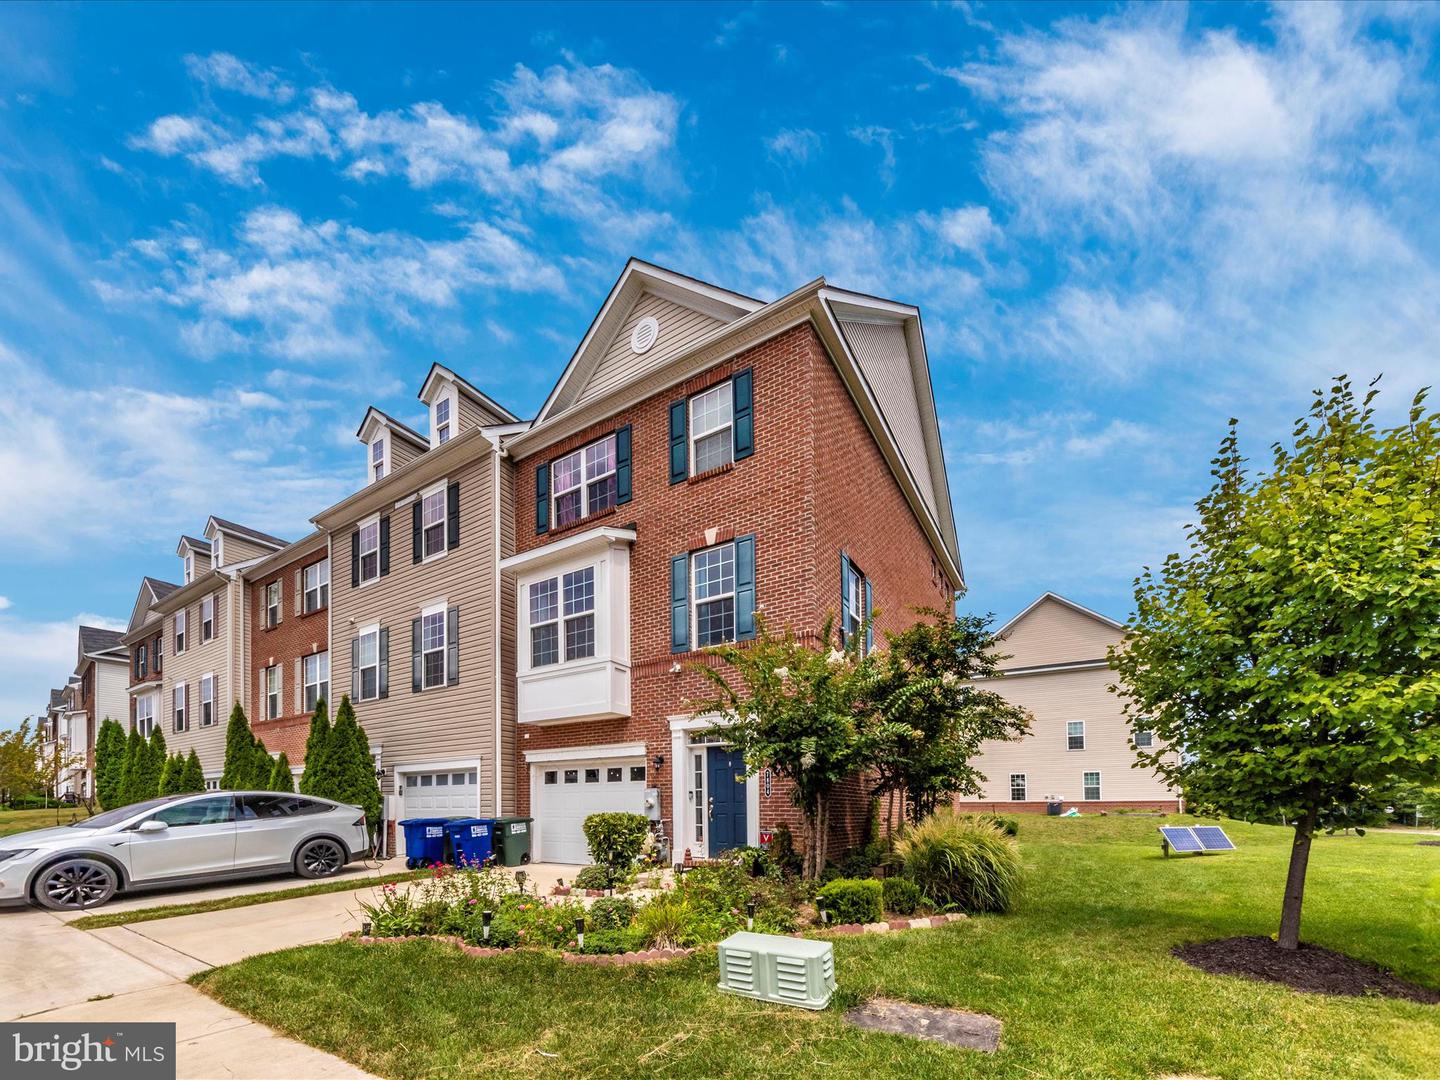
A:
(567, 792)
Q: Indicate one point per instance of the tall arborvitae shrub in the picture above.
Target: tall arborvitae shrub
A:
(261, 766)
(109, 763)
(239, 752)
(132, 782)
(154, 763)
(281, 779)
(193, 778)
(355, 781)
(170, 775)
(316, 747)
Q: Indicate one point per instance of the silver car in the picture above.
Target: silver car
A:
(180, 840)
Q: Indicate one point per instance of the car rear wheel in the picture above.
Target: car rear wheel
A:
(319, 858)
(76, 883)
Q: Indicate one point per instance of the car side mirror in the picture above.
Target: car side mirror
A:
(153, 825)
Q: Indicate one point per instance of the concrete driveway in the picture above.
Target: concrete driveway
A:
(51, 971)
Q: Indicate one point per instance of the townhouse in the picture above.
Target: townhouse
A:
(515, 607)
(1080, 751)
(94, 692)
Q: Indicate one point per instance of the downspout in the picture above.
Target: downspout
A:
(499, 636)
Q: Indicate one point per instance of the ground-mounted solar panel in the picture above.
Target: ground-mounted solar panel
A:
(1212, 838)
(1181, 838)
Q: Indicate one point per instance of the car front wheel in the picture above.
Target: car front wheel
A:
(75, 884)
(319, 858)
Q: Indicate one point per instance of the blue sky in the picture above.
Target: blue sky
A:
(224, 231)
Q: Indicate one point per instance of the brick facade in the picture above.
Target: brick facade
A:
(815, 486)
(296, 635)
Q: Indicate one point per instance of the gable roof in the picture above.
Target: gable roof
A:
(484, 400)
(1056, 598)
(195, 542)
(55, 697)
(95, 639)
(151, 592)
(219, 524)
(718, 306)
(374, 417)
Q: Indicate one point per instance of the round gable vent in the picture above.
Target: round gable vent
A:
(645, 334)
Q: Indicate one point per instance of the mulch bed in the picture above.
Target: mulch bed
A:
(1428, 843)
(1309, 969)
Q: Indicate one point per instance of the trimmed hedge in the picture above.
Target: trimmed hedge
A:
(853, 900)
(616, 839)
(902, 896)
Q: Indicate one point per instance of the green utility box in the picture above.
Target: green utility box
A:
(512, 840)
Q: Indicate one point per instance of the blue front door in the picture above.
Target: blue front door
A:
(726, 781)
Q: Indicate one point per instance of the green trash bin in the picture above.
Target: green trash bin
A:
(512, 840)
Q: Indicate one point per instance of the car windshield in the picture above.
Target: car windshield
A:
(114, 817)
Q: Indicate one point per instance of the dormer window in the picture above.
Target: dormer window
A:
(219, 550)
(442, 420)
(377, 459)
(583, 482)
(189, 567)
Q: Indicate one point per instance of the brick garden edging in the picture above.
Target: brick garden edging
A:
(649, 956)
(923, 923)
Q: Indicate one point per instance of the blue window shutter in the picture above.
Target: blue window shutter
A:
(869, 615)
(622, 465)
(745, 588)
(845, 573)
(542, 498)
(680, 603)
(679, 452)
(744, 420)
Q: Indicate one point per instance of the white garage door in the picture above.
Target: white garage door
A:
(449, 794)
(567, 792)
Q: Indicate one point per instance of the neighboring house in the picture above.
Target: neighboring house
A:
(706, 457)
(57, 732)
(287, 597)
(145, 637)
(99, 682)
(1079, 751)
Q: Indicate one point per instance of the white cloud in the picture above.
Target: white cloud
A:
(793, 144)
(968, 228)
(4, 602)
(227, 72)
(884, 138)
(36, 655)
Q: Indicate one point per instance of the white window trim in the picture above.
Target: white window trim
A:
(585, 481)
(322, 581)
(1149, 733)
(681, 728)
(1068, 747)
(440, 488)
(374, 519)
(189, 567)
(180, 631)
(382, 441)
(1099, 786)
(277, 606)
(178, 690)
(441, 608)
(1024, 787)
(695, 600)
(691, 433)
(278, 692)
(306, 684)
(210, 675)
(363, 632)
(214, 630)
(141, 701)
(448, 396)
(217, 550)
(561, 663)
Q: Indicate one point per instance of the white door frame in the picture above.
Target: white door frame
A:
(681, 824)
(536, 759)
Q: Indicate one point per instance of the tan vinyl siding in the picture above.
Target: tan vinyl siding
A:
(1054, 633)
(1051, 768)
(882, 354)
(447, 723)
(402, 451)
(212, 657)
(474, 413)
(241, 550)
(508, 758)
(680, 328)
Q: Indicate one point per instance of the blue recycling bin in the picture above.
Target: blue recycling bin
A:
(470, 840)
(424, 840)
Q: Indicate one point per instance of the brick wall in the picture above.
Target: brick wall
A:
(298, 634)
(816, 485)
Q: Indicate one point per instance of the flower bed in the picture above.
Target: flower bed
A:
(649, 956)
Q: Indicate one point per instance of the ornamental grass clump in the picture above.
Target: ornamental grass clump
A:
(961, 864)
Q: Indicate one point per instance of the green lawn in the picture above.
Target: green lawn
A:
(13, 821)
(1081, 975)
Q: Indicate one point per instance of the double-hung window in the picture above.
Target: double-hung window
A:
(145, 714)
(377, 459)
(442, 420)
(367, 661)
(713, 573)
(272, 692)
(712, 415)
(1017, 787)
(317, 586)
(317, 679)
(433, 522)
(370, 550)
(1144, 740)
(1075, 735)
(1092, 786)
(182, 722)
(140, 666)
(179, 631)
(583, 481)
(562, 604)
(272, 604)
(189, 568)
(207, 618)
(432, 647)
(207, 700)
